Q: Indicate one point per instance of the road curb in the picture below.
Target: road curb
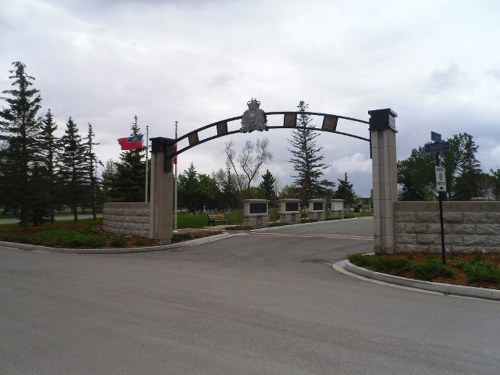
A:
(459, 290)
(198, 241)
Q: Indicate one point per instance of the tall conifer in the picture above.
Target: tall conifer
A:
(20, 128)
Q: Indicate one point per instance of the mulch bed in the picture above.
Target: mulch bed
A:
(459, 276)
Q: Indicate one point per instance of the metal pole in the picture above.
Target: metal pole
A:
(147, 167)
(443, 251)
(175, 183)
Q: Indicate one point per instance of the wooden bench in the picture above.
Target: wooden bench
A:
(218, 218)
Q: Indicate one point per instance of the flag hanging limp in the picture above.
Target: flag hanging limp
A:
(132, 142)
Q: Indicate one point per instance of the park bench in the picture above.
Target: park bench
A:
(218, 218)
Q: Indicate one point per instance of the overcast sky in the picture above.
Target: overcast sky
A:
(435, 63)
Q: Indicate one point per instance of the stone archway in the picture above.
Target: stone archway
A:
(382, 139)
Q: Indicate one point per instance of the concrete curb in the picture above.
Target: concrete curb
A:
(198, 241)
(459, 290)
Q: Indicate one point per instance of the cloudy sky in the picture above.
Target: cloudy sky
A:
(436, 63)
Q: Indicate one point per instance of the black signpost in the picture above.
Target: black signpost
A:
(437, 147)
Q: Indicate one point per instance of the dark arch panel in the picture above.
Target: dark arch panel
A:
(222, 128)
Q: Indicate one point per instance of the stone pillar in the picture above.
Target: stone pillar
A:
(337, 208)
(162, 191)
(256, 213)
(290, 210)
(384, 167)
(316, 209)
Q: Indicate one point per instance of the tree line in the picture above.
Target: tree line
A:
(465, 178)
(40, 172)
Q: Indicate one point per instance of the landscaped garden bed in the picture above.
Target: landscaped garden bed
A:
(471, 269)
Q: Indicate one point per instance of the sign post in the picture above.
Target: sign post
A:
(437, 147)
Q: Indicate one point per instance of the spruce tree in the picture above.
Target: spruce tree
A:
(346, 192)
(127, 184)
(73, 173)
(51, 150)
(20, 129)
(306, 157)
(268, 184)
(91, 162)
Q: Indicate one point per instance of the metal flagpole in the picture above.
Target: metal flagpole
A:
(175, 183)
(147, 172)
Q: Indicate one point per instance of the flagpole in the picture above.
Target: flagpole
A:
(147, 172)
(175, 183)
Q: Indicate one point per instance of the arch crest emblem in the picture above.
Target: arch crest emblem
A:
(253, 118)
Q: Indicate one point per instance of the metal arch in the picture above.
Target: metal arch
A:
(194, 134)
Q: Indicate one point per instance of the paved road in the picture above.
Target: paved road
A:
(261, 303)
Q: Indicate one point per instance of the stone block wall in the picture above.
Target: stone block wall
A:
(127, 218)
(468, 226)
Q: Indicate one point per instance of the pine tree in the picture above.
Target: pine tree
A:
(127, 185)
(268, 184)
(51, 150)
(306, 157)
(72, 171)
(346, 192)
(20, 129)
(91, 162)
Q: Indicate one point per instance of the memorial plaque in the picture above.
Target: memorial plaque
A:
(258, 208)
(318, 206)
(291, 206)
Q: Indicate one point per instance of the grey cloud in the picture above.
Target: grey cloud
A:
(443, 80)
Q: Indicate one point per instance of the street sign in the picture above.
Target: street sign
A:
(440, 179)
(436, 137)
(437, 147)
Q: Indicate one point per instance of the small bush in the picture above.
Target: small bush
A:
(480, 270)
(392, 265)
(431, 269)
(62, 237)
(118, 241)
(359, 259)
(382, 263)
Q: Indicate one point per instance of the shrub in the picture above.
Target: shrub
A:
(392, 265)
(118, 241)
(431, 269)
(480, 270)
(62, 237)
(359, 259)
(382, 263)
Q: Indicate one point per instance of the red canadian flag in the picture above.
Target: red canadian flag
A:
(131, 143)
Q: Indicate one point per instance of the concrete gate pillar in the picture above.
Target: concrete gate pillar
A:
(384, 166)
(162, 191)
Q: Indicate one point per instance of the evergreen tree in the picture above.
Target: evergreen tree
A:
(127, 185)
(197, 191)
(91, 167)
(51, 150)
(268, 184)
(74, 177)
(346, 192)
(20, 128)
(306, 157)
